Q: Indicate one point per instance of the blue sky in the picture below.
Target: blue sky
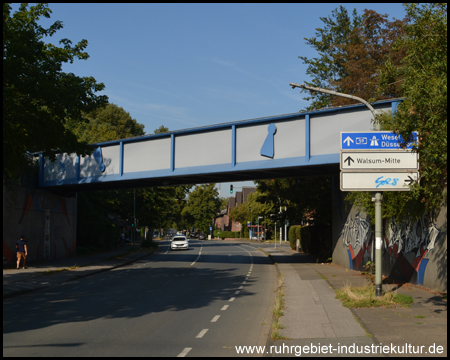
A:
(191, 65)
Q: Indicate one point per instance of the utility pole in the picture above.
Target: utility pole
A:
(378, 194)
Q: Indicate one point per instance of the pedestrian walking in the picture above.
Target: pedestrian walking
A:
(21, 249)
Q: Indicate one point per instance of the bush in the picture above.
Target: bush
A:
(293, 235)
(226, 234)
(316, 240)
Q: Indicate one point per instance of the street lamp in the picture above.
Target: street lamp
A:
(378, 195)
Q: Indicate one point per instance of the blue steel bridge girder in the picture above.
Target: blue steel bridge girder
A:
(298, 144)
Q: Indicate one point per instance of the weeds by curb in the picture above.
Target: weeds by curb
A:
(364, 296)
(278, 310)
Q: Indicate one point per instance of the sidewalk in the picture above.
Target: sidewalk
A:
(37, 275)
(312, 314)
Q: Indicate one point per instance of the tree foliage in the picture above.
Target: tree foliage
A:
(38, 97)
(380, 59)
(302, 197)
(328, 67)
(423, 80)
(161, 129)
(108, 122)
(202, 207)
(352, 49)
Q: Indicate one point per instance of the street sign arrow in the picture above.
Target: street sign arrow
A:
(349, 159)
(348, 140)
(409, 181)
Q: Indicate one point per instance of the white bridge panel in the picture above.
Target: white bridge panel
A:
(289, 141)
(147, 155)
(111, 158)
(63, 168)
(207, 148)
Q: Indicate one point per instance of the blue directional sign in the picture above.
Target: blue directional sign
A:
(373, 140)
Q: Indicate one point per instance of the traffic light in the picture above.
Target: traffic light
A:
(231, 189)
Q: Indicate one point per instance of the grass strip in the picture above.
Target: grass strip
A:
(364, 296)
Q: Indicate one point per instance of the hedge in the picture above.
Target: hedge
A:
(293, 235)
(227, 234)
(316, 240)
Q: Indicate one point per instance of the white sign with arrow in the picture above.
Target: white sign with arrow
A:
(378, 181)
(369, 160)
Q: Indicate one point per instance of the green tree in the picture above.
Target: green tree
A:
(38, 97)
(336, 31)
(161, 129)
(301, 196)
(422, 80)
(109, 122)
(203, 206)
(352, 50)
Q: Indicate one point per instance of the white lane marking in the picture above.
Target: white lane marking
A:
(201, 333)
(236, 292)
(241, 287)
(215, 318)
(231, 299)
(244, 282)
(169, 281)
(246, 278)
(199, 254)
(225, 307)
(184, 352)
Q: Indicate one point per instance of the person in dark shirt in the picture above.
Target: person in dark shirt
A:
(21, 249)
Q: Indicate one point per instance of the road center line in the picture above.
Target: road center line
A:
(215, 318)
(184, 352)
(225, 307)
(200, 253)
(231, 299)
(201, 333)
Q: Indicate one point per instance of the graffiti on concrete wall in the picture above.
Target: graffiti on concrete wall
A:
(356, 235)
(410, 237)
(407, 244)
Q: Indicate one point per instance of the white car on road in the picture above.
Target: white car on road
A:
(179, 242)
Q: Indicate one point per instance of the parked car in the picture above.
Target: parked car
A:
(202, 237)
(179, 242)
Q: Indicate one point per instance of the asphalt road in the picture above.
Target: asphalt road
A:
(200, 302)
